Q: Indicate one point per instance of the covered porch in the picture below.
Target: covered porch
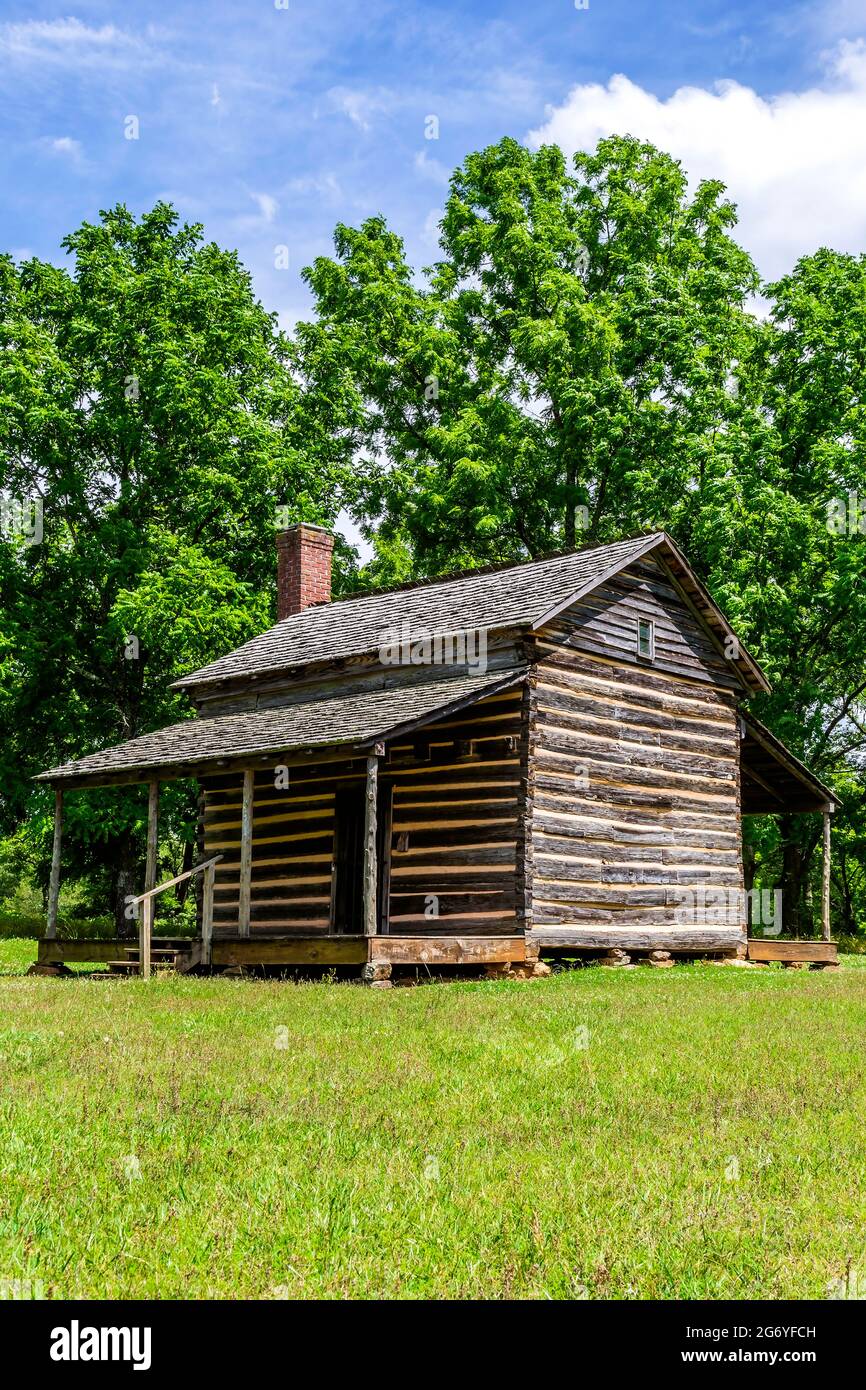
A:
(774, 782)
(322, 825)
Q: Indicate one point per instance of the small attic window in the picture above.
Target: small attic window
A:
(646, 639)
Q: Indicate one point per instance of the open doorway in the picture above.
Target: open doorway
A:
(347, 882)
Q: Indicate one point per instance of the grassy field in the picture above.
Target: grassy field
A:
(695, 1132)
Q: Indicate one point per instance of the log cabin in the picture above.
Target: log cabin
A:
(553, 757)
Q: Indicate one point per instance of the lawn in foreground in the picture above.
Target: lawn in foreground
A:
(693, 1132)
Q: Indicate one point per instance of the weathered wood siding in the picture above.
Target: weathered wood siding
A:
(634, 766)
(350, 675)
(293, 846)
(454, 789)
(456, 818)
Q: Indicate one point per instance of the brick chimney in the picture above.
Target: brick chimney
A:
(303, 568)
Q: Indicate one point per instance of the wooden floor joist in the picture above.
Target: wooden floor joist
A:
(447, 950)
(427, 949)
(685, 940)
(766, 949)
(288, 951)
(319, 949)
(59, 951)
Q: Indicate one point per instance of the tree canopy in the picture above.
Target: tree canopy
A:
(590, 358)
(572, 349)
(593, 354)
(147, 401)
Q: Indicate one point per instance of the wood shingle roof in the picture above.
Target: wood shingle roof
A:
(350, 627)
(356, 718)
(527, 595)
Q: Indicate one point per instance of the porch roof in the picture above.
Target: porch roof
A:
(358, 718)
(774, 780)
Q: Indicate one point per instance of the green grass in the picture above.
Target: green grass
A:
(695, 1132)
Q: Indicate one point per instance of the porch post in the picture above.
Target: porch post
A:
(825, 880)
(54, 880)
(145, 932)
(147, 907)
(370, 865)
(207, 913)
(246, 864)
(152, 834)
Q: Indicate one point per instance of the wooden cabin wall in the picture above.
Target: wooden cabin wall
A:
(456, 822)
(353, 674)
(450, 857)
(634, 765)
(293, 847)
(604, 622)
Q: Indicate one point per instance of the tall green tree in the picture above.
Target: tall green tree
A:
(582, 362)
(586, 360)
(565, 366)
(148, 402)
(785, 548)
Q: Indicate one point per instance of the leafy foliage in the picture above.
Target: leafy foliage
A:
(149, 401)
(570, 350)
(586, 360)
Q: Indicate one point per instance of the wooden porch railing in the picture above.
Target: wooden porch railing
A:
(145, 927)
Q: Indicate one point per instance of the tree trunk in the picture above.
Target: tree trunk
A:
(125, 883)
(749, 855)
(848, 922)
(570, 483)
(795, 866)
(748, 867)
(186, 864)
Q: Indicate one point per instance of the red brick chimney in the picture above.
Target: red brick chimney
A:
(303, 568)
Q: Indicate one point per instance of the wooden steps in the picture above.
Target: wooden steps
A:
(180, 958)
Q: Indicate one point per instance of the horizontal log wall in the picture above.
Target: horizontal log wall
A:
(357, 674)
(635, 764)
(293, 847)
(456, 808)
(604, 623)
(454, 834)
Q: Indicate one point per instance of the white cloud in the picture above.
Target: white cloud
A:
(64, 144)
(430, 168)
(359, 105)
(215, 98)
(267, 205)
(794, 163)
(62, 147)
(325, 186)
(68, 42)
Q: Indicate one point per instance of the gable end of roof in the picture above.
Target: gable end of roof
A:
(527, 596)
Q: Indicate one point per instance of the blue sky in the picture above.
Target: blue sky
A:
(270, 124)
